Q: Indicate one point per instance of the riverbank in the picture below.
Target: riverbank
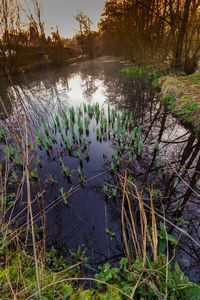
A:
(39, 60)
(181, 95)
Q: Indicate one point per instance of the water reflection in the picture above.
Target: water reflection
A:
(170, 160)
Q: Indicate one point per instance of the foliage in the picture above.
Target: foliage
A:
(165, 32)
(86, 37)
(170, 101)
(125, 277)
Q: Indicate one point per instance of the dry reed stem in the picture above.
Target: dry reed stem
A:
(11, 288)
(154, 228)
(134, 236)
(32, 221)
(122, 220)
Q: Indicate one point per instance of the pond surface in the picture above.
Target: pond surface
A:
(165, 157)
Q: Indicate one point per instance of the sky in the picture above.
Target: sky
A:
(60, 13)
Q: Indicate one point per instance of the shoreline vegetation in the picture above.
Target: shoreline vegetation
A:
(40, 60)
(180, 92)
(181, 95)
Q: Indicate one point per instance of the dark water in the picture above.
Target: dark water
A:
(172, 167)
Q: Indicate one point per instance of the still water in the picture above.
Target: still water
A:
(169, 162)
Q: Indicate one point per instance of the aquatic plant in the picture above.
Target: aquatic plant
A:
(51, 180)
(129, 143)
(48, 143)
(105, 124)
(97, 111)
(156, 145)
(97, 133)
(78, 151)
(63, 196)
(131, 119)
(72, 128)
(113, 117)
(100, 136)
(66, 122)
(117, 160)
(110, 234)
(114, 131)
(66, 142)
(58, 123)
(176, 183)
(85, 107)
(2, 136)
(45, 128)
(86, 125)
(126, 121)
(123, 117)
(129, 157)
(84, 144)
(33, 175)
(52, 136)
(158, 163)
(38, 142)
(18, 161)
(65, 169)
(79, 123)
(119, 149)
(38, 161)
(80, 175)
(9, 151)
(72, 114)
(109, 118)
(118, 133)
(133, 135)
(80, 113)
(101, 122)
(124, 135)
(114, 192)
(105, 189)
(86, 154)
(112, 166)
(108, 127)
(39, 134)
(90, 111)
(118, 122)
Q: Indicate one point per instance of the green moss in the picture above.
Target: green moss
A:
(181, 94)
(188, 108)
(170, 101)
(194, 78)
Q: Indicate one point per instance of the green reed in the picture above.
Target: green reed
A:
(63, 195)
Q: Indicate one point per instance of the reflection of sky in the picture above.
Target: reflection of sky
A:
(79, 93)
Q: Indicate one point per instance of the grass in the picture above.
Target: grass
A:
(143, 71)
(181, 94)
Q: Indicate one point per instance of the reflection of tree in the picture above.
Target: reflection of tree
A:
(89, 86)
(42, 93)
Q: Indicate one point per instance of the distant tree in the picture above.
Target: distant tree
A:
(85, 36)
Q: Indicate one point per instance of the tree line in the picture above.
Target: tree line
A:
(153, 30)
(23, 42)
